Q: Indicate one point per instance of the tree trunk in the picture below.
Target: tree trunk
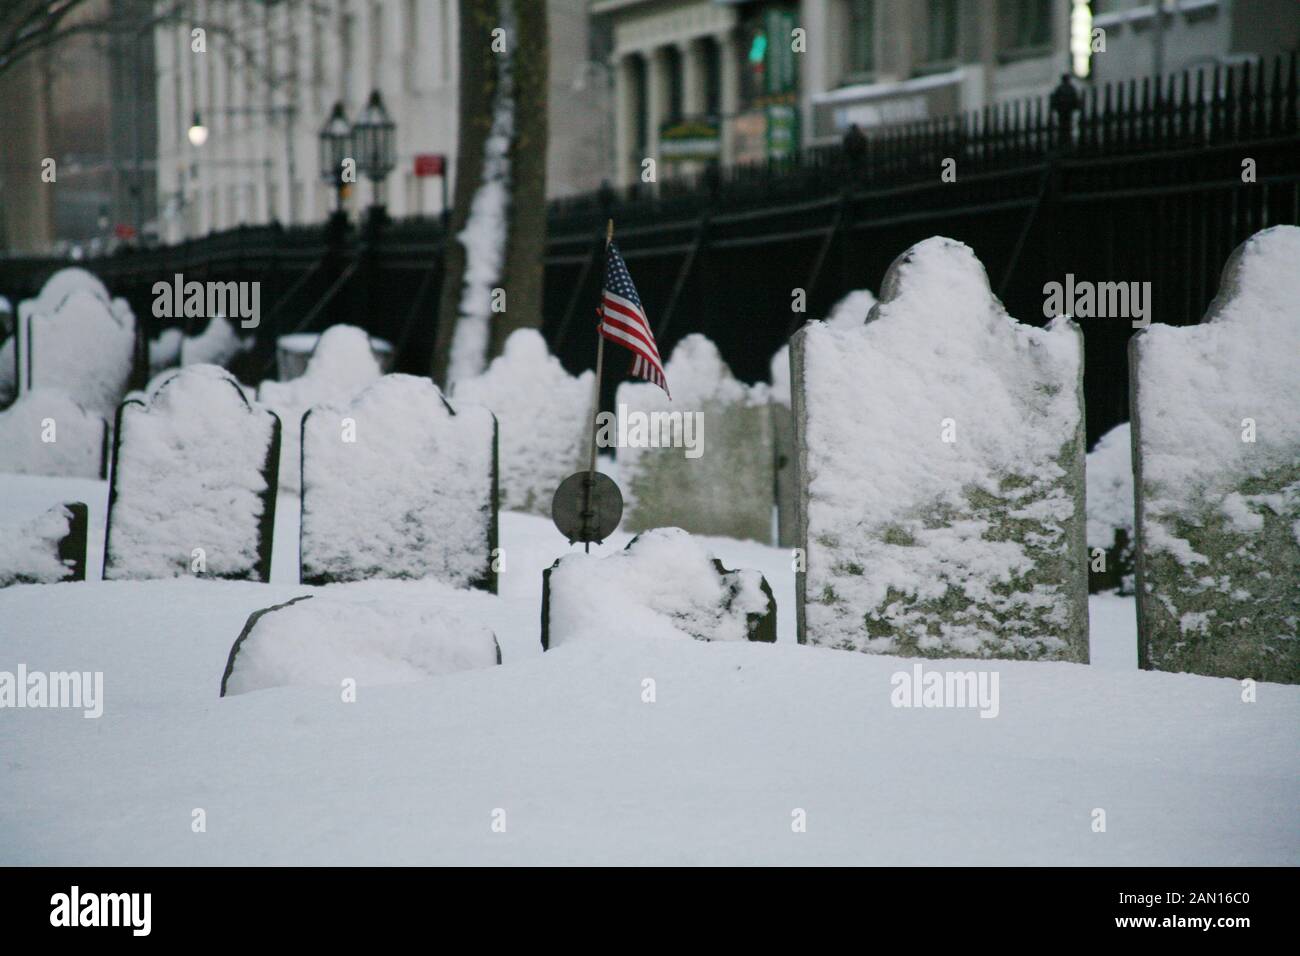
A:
(526, 246)
(477, 89)
(525, 238)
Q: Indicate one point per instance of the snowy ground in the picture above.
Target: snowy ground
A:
(740, 735)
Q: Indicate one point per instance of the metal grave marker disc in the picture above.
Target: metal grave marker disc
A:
(570, 498)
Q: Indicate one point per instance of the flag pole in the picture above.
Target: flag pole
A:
(595, 400)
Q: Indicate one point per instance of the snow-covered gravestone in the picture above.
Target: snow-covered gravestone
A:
(1216, 440)
(46, 549)
(544, 414)
(46, 433)
(341, 365)
(702, 461)
(399, 484)
(852, 310)
(217, 344)
(941, 463)
(318, 642)
(84, 348)
(194, 484)
(664, 584)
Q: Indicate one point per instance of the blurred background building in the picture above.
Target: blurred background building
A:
(161, 133)
(87, 103)
(272, 72)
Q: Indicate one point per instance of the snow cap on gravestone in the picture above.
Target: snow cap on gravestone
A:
(1260, 281)
(343, 355)
(697, 374)
(931, 276)
(67, 281)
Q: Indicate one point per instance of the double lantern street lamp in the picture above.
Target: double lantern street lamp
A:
(368, 144)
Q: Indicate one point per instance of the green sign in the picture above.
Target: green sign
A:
(781, 74)
(782, 131)
(687, 140)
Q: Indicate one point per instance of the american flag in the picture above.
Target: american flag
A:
(622, 320)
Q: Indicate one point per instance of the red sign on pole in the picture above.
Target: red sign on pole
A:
(430, 164)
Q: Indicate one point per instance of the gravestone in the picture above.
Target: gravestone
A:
(1216, 443)
(852, 310)
(56, 289)
(194, 484)
(82, 348)
(341, 365)
(398, 483)
(45, 549)
(663, 584)
(722, 486)
(318, 642)
(544, 414)
(217, 344)
(941, 464)
(293, 352)
(165, 350)
(46, 433)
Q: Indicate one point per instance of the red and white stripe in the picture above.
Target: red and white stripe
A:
(624, 322)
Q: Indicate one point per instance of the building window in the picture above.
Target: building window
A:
(673, 74)
(346, 28)
(862, 37)
(411, 36)
(1025, 24)
(941, 31)
(640, 109)
(376, 45)
(712, 56)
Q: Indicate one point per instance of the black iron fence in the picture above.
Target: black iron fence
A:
(1133, 182)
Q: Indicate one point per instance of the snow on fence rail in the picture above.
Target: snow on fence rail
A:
(1216, 438)
(544, 414)
(194, 481)
(398, 483)
(663, 584)
(703, 461)
(46, 433)
(941, 463)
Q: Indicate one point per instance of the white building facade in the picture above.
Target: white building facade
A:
(263, 77)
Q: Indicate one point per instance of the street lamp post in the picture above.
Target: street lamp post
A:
(335, 148)
(373, 137)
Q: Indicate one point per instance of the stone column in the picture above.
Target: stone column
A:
(692, 78)
(729, 77)
(656, 100)
(625, 107)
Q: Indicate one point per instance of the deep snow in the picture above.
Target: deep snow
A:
(739, 735)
